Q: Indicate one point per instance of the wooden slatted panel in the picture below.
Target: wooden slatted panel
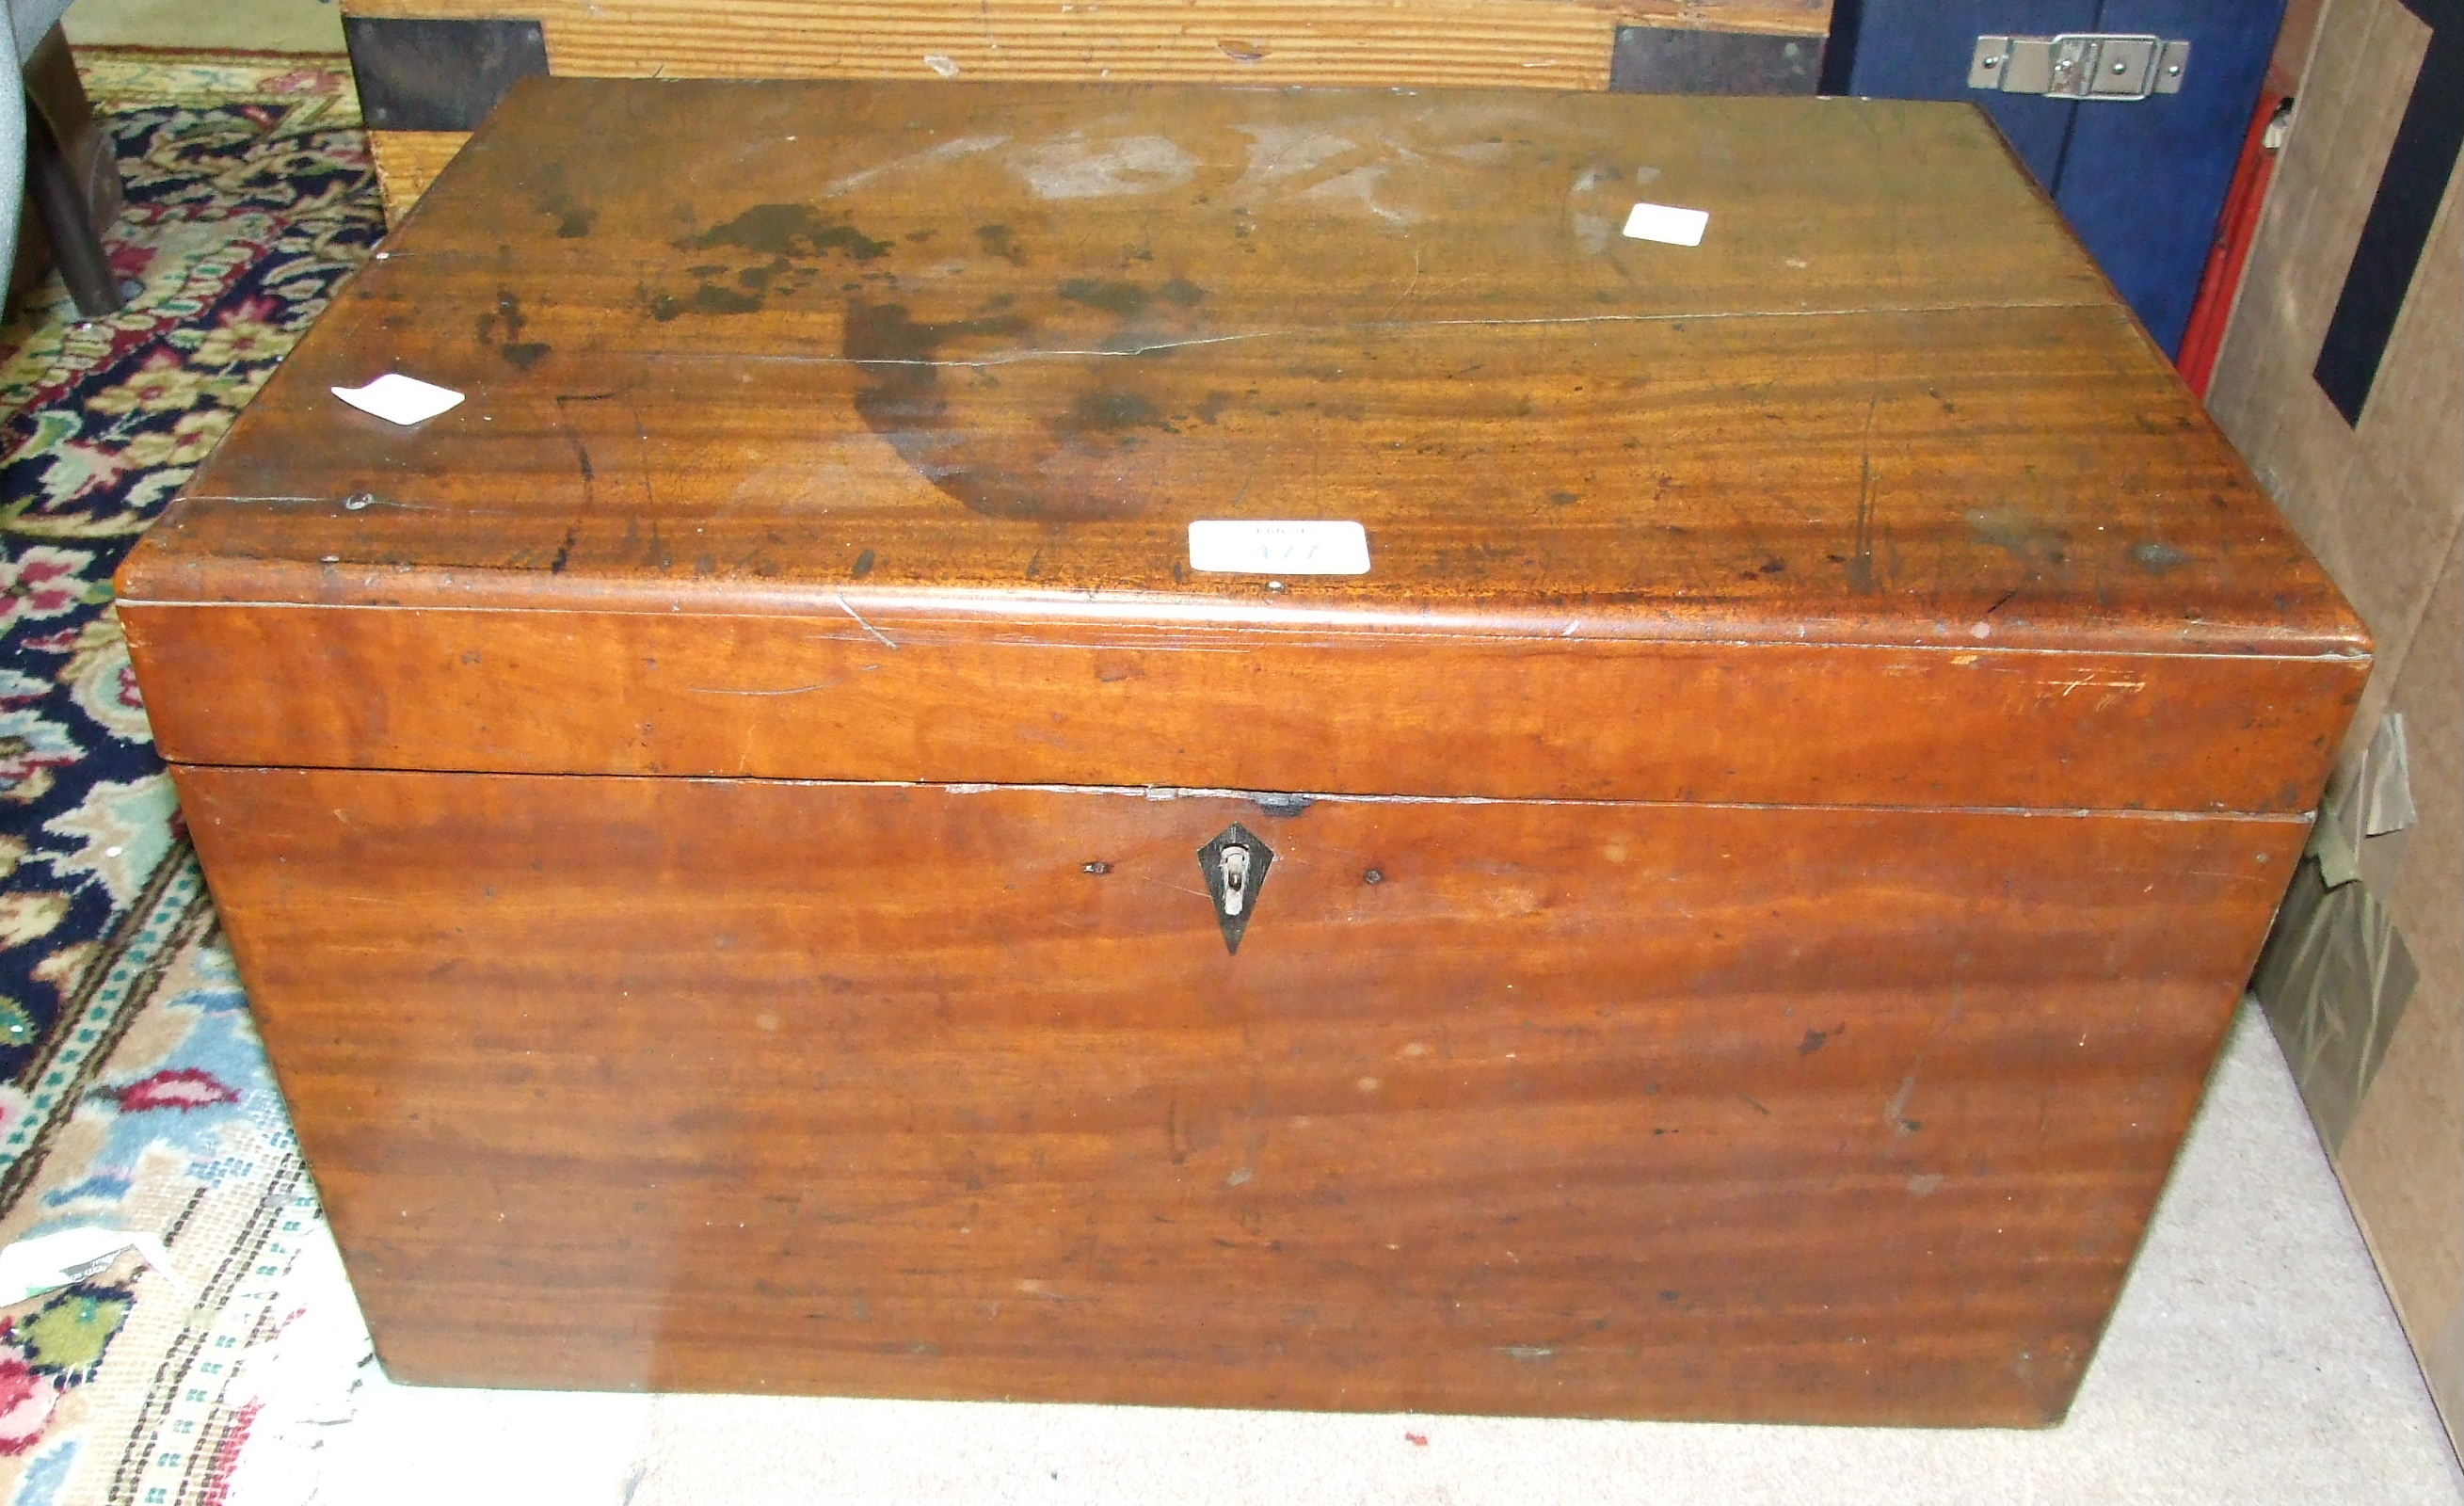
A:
(407, 162)
(1551, 44)
(1463, 43)
(1430, 42)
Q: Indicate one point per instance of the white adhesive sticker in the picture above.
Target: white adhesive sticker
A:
(1664, 222)
(398, 399)
(1241, 546)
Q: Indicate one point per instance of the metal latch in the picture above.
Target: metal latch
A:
(2080, 65)
(1235, 861)
(1235, 864)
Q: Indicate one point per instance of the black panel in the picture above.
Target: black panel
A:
(2397, 232)
(438, 76)
(1659, 59)
(1840, 57)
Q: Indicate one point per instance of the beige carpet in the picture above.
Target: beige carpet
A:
(272, 26)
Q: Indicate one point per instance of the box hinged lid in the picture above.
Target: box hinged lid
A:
(858, 430)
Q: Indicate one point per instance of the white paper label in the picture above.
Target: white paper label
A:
(46, 1262)
(398, 399)
(1241, 546)
(1664, 222)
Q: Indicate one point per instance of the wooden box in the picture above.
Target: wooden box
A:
(726, 831)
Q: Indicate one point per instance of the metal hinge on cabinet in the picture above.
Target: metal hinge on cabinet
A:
(2079, 65)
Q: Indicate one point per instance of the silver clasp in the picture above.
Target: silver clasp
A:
(1236, 878)
(2078, 65)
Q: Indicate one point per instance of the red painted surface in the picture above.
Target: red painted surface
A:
(2236, 230)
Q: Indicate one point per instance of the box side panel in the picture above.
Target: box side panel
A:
(1520, 1107)
(861, 696)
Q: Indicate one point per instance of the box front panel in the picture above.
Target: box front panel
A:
(1607, 1109)
(780, 697)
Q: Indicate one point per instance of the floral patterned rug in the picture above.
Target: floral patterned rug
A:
(133, 1095)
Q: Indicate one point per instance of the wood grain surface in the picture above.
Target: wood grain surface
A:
(407, 162)
(1613, 1110)
(1018, 337)
(860, 691)
(951, 359)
